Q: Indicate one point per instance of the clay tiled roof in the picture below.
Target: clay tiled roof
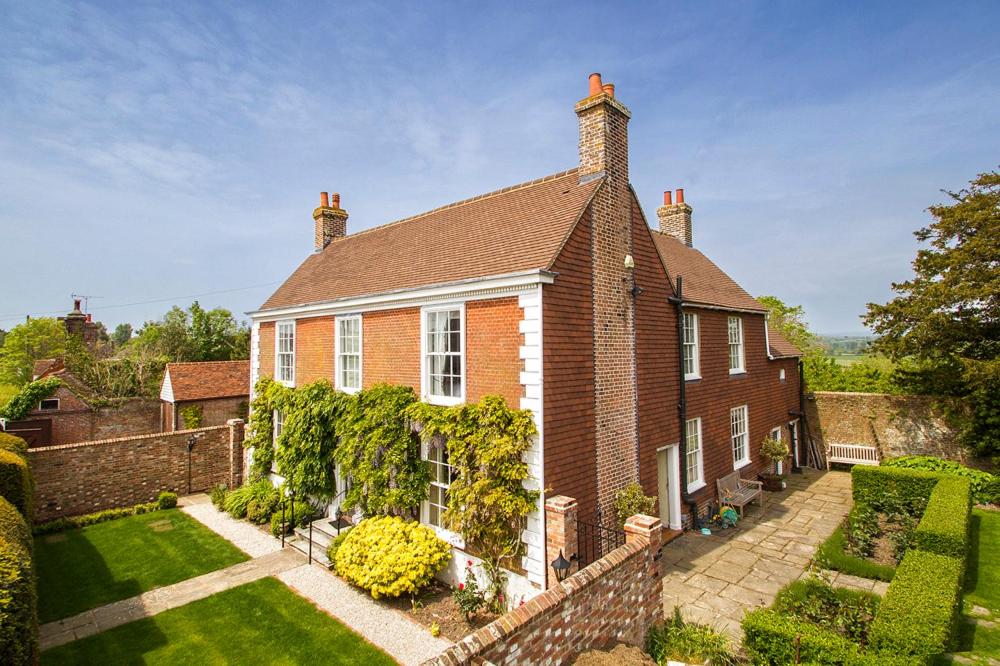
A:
(704, 282)
(780, 347)
(209, 379)
(516, 229)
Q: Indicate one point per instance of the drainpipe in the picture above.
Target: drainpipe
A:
(686, 498)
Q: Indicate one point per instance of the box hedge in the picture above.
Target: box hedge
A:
(944, 528)
(880, 487)
(18, 599)
(16, 484)
(920, 610)
(773, 639)
(87, 519)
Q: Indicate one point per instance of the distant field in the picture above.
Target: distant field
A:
(848, 359)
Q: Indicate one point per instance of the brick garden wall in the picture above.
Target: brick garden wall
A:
(897, 425)
(214, 412)
(76, 421)
(613, 600)
(80, 478)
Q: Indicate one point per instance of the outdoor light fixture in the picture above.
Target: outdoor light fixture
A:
(561, 566)
(629, 262)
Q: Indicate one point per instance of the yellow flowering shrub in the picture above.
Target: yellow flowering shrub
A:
(389, 556)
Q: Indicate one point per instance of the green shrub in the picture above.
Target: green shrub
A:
(331, 551)
(389, 556)
(218, 496)
(73, 522)
(14, 444)
(944, 528)
(847, 612)
(919, 612)
(892, 489)
(773, 639)
(833, 554)
(630, 501)
(304, 513)
(192, 416)
(166, 500)
(238, 500)
(984, 486)
(862, 530)
(990, 494)
(18, 599)
(16, 484)
(266, 501)
(689, 642)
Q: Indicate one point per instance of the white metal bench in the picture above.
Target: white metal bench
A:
(738, 492)
(851, 454)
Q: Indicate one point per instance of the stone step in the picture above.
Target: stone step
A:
(319, 538)
(328, 527)
(302, 545)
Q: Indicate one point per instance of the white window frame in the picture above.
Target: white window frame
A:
(453, 538)
(278, 353)
(424, 369)
(338, 353)
(699, 451)
(694, 346)
(736, 346)
(744, 413)
(49, 409)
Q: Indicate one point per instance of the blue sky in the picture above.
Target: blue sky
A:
(152, 152)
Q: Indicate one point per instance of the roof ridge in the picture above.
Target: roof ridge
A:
(461, 202)
(232, 360)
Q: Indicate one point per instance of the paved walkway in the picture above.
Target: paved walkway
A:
(164, 598)
(715, 579)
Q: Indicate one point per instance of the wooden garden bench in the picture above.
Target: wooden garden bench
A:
(851, 454)
(738, 492)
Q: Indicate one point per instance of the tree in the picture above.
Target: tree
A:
(195, 335)
(791, 321)
(26, 343)
(122, 334)
(946, 318)
(3, 334)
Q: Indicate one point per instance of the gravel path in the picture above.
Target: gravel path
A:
(244, 536)
(406, 641)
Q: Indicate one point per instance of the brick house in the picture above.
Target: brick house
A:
(557, 295)
(220, 390)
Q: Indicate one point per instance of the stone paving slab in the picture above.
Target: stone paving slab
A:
(716, 579)
(164, 598)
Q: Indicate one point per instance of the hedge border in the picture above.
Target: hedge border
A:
(871, 485)
(16, 484)
(944, 527)
(18, 596)
(832, 554)
(14, 444)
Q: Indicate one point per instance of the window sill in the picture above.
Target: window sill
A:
(692, 378)
(741, 464)
(738, 372)
(289, 384)
(443, 401)
(696, 486)
(452, 538)
(349, 391)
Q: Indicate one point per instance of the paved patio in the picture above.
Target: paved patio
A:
(715, 579)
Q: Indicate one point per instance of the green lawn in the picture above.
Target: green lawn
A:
(982, 588)
(79, 569)
(259, 623)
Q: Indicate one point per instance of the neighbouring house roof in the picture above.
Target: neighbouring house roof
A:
(205, 380)
(780, 346)
(56, 367)
(516, 229)
(44, 366)
(703, 281)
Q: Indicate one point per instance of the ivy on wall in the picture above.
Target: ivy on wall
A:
(192, 416)
(304, 454)
(28, 398)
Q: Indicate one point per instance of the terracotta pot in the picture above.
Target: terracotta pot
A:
(772, 482)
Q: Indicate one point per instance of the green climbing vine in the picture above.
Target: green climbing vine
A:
(304, 455)
(28, 398)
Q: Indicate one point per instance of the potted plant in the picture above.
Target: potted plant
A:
(776, 451)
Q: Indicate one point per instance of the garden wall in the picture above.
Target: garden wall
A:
(613, 600)
(898, 425)
(80, 478)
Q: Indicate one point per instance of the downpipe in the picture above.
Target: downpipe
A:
(678, 302)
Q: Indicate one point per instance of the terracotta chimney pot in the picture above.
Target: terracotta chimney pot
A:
(680, 196)
(595, 84)
(609, 88)
(668, 198)
(324, 200)
(335, 200)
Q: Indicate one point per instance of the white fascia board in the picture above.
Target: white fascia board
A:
(461, 290)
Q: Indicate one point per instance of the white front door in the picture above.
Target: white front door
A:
(668, 485)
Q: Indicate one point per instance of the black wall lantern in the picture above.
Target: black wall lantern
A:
(561, 566)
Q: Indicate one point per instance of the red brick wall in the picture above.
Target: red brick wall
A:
(75, 421)
(82, 478)
(314, 348)
(493, 341)
(214, 412)
(266, 343)
(568, 370)
(391, 340)
(712, 397)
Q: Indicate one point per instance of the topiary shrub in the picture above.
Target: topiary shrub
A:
(982, 482)
(944, 528)
(16, 484)
(630, 501)
(389, 556)
(919, 612)
(14, 444)
(304, 513)
(18, 599)
(166, 500)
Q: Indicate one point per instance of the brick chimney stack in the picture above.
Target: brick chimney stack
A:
(331, 220)
(604, 154)
(675, 218)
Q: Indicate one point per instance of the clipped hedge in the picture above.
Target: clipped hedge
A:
(983, 483)
(919, 612)
(773, 639)
(944, 529)
(14, 444)
(74, 522)
(879, 486)
(18, 599)
(15, 483)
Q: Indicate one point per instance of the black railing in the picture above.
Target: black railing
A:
(594, 541)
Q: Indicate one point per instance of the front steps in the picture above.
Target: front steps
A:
(324, 530)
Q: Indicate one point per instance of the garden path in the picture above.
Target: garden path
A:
(715, 579)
